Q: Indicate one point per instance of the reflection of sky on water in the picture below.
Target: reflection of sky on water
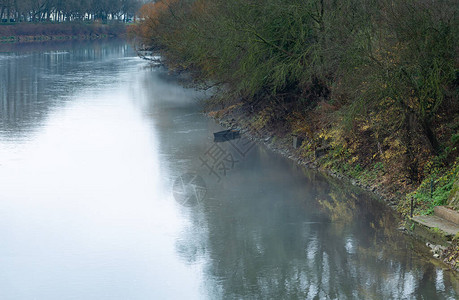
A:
(85, 212)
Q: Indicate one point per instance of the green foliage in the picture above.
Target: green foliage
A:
(455, 139)
(384, 72)
(272, 46)
(398, 49)
(436, 230)
(412, 62)
(379, 166)
(433, 191)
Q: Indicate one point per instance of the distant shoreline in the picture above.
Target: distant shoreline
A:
(33, 32)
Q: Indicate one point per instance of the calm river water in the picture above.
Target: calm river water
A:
(111, 188)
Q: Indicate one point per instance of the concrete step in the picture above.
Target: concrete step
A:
(446, 226)
(447, 214)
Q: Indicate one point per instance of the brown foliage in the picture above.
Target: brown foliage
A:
(150, 15)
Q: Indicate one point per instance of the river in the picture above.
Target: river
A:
(111, 188)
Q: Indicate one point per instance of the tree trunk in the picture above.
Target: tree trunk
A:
(411, 162)
(428, 132)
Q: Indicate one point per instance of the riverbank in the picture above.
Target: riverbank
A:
(443, 245)
(373, 100)
(32, 32)
(381, 108)
(281, 127)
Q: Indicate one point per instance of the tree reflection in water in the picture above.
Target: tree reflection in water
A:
(273, 234)
(28, 77)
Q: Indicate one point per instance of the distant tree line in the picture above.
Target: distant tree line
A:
(67, 10)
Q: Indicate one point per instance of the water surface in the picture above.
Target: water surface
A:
(96, 153)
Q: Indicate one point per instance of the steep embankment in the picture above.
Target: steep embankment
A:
(370, 89)
(26, 32)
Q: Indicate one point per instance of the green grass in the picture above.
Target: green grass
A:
(433, 191)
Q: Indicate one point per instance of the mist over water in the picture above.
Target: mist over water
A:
(96, 203)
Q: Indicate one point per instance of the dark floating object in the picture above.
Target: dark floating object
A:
(226, 135)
